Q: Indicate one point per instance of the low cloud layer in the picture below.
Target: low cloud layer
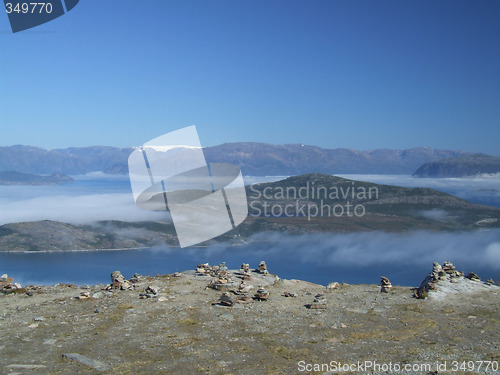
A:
(77, 209)
(476, 190)
(405, 258)
(419, 248)
(90, 198)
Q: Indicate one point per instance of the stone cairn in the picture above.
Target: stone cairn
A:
(245, 272)
(261, 295)
(385, 284)
(239, 295)
(232, 291)
(150, 292)
(203, 269)
(447, 272)
(222, 279)
(244, 288)
(262, 268)
(319, 302)
(136, 278)
(119, 282)
(226, 300)
(7, 284)
(472, 276)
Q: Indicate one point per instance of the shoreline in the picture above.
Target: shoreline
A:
(69, 251)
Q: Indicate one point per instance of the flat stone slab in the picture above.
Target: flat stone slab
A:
(25, 366)
(461, 285)
(97, 365)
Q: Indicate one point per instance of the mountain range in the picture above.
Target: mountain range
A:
(475, 165)
(257, 159)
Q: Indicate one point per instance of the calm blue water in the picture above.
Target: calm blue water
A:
(95, 267)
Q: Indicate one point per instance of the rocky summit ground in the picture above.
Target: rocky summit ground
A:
(180, 326)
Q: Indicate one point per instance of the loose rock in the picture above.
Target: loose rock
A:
(333, 285)
(97, 365)
(319, 302)
(226, 300)
(83, 295)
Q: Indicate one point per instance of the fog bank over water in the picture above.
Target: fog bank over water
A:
(78, 209)
(321, 258)
(477, 190)
(99, 196)
(91, 197)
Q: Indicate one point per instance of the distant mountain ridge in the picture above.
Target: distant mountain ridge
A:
(462, 166)
(18, 178)
(258, 159)
(295, 159)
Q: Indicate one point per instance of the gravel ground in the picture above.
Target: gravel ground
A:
(183, 330)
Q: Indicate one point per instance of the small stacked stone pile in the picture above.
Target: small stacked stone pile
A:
(7, 284)
(262, 268)
(319, 302)
(245, 271)
(236, 296)
(150, 292)
(222, 267)
(449, 269)
(261, 295)
(439, 273)
(203, 269)
(472, 276)
(119, 282)
(239, 295)
(245, 268)
(244, 288)
(385, 284)
(226, 300)
(136, 278)
(222, 278)
(242, 292)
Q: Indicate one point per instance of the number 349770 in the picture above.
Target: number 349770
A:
(28, 8)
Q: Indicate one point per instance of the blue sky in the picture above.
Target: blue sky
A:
(337, 73)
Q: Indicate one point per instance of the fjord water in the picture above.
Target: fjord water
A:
(351, 258)
(94, 267)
